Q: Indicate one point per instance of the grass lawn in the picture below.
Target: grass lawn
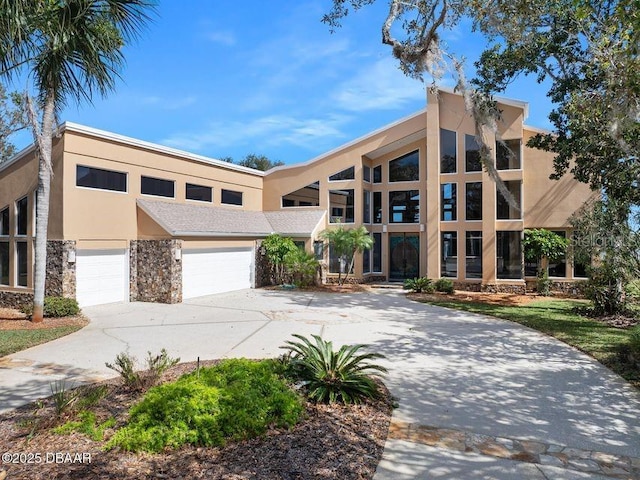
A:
(558, 319)
(12, 341)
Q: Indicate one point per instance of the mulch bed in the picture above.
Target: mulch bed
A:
(332, 442)
(12, 319)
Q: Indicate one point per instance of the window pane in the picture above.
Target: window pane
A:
(199, 192)
(157, 186)
(91, 177)
(4, 222)
(404, 206)
(448, 202)
(473, 260)
(508, 155)
(377, 252)
(21, 252)
(366, 261)
(449, 260)
(303, 197)
(346, 174)
(366, 206)
(503, 210)
(473, 197)
(4, 263)
(472, 154)
(509, 255)
(559, 267)
(318, 250)
(377, 207)
(366, 173)
(341, 203)
(377, 174)
(447, 151)
(405, 168)
(231, 197)
(22, 210)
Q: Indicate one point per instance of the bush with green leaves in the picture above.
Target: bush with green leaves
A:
(330, 376)
(125, 365)
(444, 285)
(55, 307)
(87, 424)
(419, 285)
(234, 400)
(634, 342)
(301, 267)
(64, 395)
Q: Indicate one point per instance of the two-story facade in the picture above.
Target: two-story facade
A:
(130, 220)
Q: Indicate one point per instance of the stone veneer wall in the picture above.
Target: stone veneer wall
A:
(15, 299)
(263, 276)
(158, 275)
(515, 288)
(61, 275)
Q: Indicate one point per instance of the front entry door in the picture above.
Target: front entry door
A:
(404, 256)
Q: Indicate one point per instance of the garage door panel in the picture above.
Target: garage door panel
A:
(206, 272)
(102, 276)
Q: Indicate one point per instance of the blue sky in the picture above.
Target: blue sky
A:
(230, 78)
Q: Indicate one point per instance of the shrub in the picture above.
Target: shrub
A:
(156, 365)
(419, 285)
(86, 425)
(63, 395)
(444, 285)
(236, 399)
(633, 290)
(55, 307)
(329, 376)
(634, 342)
(301, 267)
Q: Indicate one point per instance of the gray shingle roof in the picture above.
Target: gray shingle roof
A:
(181, 219)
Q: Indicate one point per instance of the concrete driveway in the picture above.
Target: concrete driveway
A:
(478, 397)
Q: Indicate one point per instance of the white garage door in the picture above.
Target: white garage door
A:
(102, 276)
(205, 272)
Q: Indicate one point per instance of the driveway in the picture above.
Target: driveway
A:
(478, 397)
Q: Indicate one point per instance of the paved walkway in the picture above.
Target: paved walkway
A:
(479, 398)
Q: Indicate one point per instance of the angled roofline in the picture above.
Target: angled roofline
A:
(351, 143)
(512, 102)
(17, 156)
(134, 142)
(531, 128)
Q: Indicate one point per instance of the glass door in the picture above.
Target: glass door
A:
(404, 256)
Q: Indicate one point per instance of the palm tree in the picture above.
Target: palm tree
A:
(68, 49)
(345, 244)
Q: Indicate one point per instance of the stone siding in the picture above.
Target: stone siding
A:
(133, 270)
(574, 288)
(15, 299)
(263, 273)
(158, 274)
(467, 287)
(61, 274)
(514, 288)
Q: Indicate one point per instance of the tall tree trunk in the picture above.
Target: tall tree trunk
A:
(44, 139)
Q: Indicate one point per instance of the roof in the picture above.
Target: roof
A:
(187, 220)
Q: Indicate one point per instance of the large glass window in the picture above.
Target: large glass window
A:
(405, 168)
(346, 174)
(366, 174)
(318, 250)
(366, 206)
(472, 161)
(308, 196)
(199, 192)
(22, 216)
(158, 187)
(448, 202)
(404, 206)
(4, 263)
(473, 196)
(341, 206)
(508, 155)
(338, 264)
(504, 211)
(366, 261)
(559, 267)
(473, 260)
(21, 253)
(377, 253)
(377, 174)
(99, 178)
(377, 207)
(4, 222)
(231, 197)
(448, 151)
(449, 260)
(509, 255)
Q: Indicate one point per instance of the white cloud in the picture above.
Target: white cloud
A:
(380, 86)
(223, 37)
(273, 130)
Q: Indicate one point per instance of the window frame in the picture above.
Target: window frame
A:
(222, 195)
(455, 158)
(366, 207)
(346, 207)
(404, 157)
(500, 242)
(408, 207)
(6, 266)
(366, 177)
(455, 202)
(186, 192)
(377, 168)
(466, 202)
(376, 252)
(5, 226)
(467, 151)
(374, 209)
(501, 202)
(172, 182)
(351, 169)
(18, 217)
(102, 189)
(469, 236)
(499, 146)
(18, 263)
(443, 269)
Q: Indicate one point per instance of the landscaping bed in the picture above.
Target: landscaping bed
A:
(331, 442)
